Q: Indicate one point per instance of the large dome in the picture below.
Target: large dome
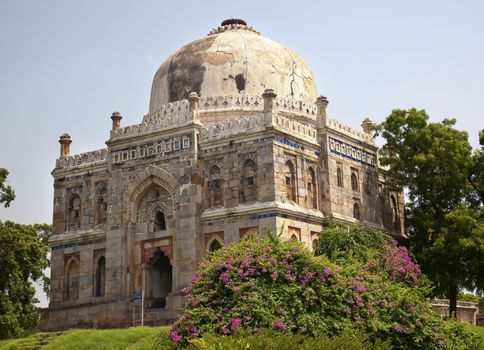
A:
(232, 60)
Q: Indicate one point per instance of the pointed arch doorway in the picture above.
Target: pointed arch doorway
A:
(158, 280)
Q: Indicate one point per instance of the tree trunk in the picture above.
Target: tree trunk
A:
(453, 301)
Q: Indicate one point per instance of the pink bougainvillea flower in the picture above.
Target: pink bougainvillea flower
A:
(279, 325)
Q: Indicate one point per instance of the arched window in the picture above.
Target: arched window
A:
(74, 212)
(159, 224)
(215, 186)
(312, 189)
(354, 181)
(100, 277)
(356, 211)
(290, 179)
(214, 245)
(248, 191)
(339, 176)
(72, 280)
(393, 204)
(294, 238)
(101, 204)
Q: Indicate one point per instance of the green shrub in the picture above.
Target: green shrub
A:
(469, 297)
(361, 282)
(269, 340)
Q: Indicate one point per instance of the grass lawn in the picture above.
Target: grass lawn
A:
(135, 338)
(479, 330)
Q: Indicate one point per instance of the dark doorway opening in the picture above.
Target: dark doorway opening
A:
(161, 277)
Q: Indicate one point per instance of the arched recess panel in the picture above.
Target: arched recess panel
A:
(71, 277)
(154, 210)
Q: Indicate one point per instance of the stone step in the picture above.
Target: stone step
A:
(41, 340)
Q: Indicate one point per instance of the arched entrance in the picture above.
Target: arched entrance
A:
(151, 201)
(160, 276)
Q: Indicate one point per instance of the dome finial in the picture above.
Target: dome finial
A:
(232, 24)
(230, 21)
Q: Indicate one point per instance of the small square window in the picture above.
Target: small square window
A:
(142, 152)
(186, 142)
(151, 150)
(158, 149)
(116, 158)
(176, 145)
(133, 154)
(168, 146)
(125, 155)
(250, 180)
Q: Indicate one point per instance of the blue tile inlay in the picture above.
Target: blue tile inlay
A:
(286, 142)
(267, 215)
(356, 154)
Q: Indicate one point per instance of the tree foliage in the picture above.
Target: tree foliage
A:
(7, 195)
(434, 164)
(361, 283)
(476, 177)
(23, 258)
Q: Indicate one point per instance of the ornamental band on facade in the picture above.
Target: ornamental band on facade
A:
(235, 141)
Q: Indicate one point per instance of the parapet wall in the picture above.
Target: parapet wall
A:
(251, 103)
(84, 159)
(348, 130)
(294, 117)
(177, 114)
(258, 123)
(466, 310)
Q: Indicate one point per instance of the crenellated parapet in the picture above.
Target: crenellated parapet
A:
(247, 103)
(294, 128)
(349, 131)
(259, 123)
(287, 118)
(254, 103)
(233, 127)
(86, 159)
(167, 111)
(296, 107)
(154, 124)
(232, 103)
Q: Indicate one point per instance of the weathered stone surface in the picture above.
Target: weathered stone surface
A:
(232, 61)
(141, 214)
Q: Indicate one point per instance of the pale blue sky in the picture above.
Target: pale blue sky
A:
(65, 66)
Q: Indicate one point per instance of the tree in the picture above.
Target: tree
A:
(433, 163)
(7, 194)
(23, 258)
(456, 256)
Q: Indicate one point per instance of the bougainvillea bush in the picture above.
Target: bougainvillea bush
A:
(360, 280)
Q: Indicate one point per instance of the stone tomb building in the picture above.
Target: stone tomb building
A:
(236, 140)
